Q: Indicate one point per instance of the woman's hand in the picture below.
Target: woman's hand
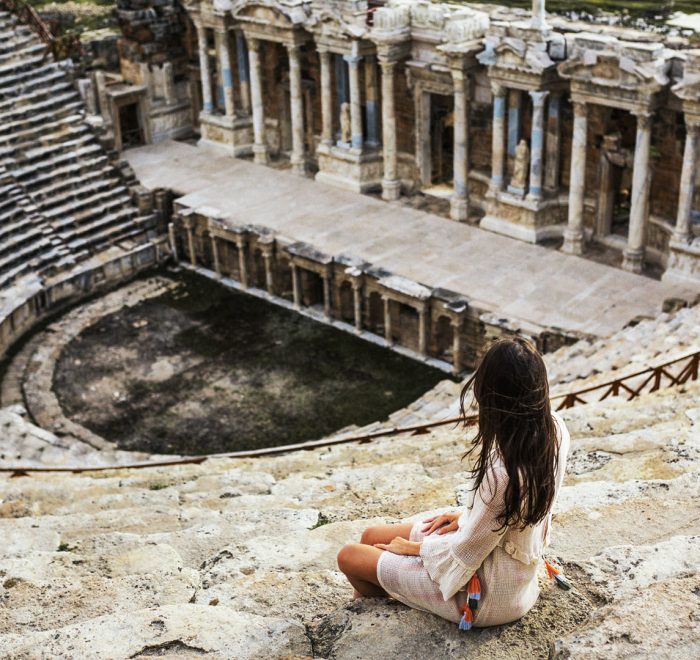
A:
(446, 522)
(400, 546)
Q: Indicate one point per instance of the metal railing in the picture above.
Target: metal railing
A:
(61, 47)
(654, 379)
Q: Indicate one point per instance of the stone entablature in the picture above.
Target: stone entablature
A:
(405, 95)
(433, 324)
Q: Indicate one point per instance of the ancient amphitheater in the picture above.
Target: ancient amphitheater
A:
(111, 553)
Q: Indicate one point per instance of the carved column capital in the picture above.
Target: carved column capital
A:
(580, 108)
(498, 90)
(538, 98)
(644, 118)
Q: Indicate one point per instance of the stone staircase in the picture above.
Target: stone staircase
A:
(236, 558)
(61, 200)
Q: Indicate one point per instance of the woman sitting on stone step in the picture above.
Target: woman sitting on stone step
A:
(478, 565)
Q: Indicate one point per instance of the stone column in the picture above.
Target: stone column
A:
(169, 84)
(573, 234)
(423, 330)
(242, 261)
(456, 347)
(173, 242)
(215, 253)
(205, 73)
(498, 138)
(226, 74)
(297, 102)
(327, 296)
(633, 256)
(243, 75)
(371, 101)
(387, 319)
(459, 204)
(553, 158)
(538, 21)
(537, 145)
(259, 145)
(355, 100)
(682, 231)
(269, 276)
(515, 97)
(326, 99)
(391, 185)
(357, 301)
(296, 285)
(190, 241)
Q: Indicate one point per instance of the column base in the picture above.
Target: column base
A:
(260, 155)
(459, 208)
(391, 189)
(573, 242)
(299, 167)
(633, 260)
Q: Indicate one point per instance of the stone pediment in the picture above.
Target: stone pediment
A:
(272, 13)
(327, 24)
(688, 87)
(617, 65)
(516, 55)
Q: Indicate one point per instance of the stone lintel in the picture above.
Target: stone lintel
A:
(307, 256)
(412, 290)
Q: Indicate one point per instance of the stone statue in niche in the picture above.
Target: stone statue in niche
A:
(345, 123)
(518, 182)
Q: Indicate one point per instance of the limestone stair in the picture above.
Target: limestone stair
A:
(237, 538)
(64, 201)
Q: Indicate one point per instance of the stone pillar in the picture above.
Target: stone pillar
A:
(387, 319)
(498, 138)
(456, 347)
(327, 296)
(169, 84)
(190, 241)
(633, 256)
(538, 21)
(682, 231)
(371, 101)
(326, 99)
(357, 301)
(269, 275)
(515, 97)
(537, 145)
(242, 261)
(205, 74)
(243, 74)
(259, 145)
(215, 253)
(391, 185)
(296, 285)
(355, 100)
(551, 175)
(226, 73)
(173, 242)
(423, 330)
(297, 103)
(573, 234)
(459, 204)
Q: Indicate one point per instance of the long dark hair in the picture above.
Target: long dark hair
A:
(516, 424)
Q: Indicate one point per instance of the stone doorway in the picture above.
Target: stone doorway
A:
(615, 190)
(441, 140)
(130, 127)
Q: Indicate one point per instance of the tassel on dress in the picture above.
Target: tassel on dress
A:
(473, 597)
(558, 576)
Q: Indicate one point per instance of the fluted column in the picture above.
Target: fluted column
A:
(297, 103)
(639, 209)
(459, 204)
(536, 145)
(242, 261)
(423, 330)
(456, 347)
(357, 304)
(189, 228)
(269, 276)
(326, 99)
(515, 102)
(682, 231)
(226, 73)
(498, 138)
(371, 101)
(173, 241)
(204, 72)
(215, 254)
(296, 285)
(387, 319)
(355, 100)
(573, 235)
(243, 75)
(553, 157)
(259, 145)
(391, 186)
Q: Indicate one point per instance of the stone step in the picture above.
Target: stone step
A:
(36, 132)
(22, 150)
(13, 80)
(40, 119)
(27, 50)
(69, 186)
(29, 175)
(51, 103)
(68, 213)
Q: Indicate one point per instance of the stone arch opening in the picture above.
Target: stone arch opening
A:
(375, 313)
(442, 339)
(346, 302)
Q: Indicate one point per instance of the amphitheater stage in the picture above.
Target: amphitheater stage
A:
(518, 280)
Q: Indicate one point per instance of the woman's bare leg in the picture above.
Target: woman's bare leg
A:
(359, 563)
(385, 533)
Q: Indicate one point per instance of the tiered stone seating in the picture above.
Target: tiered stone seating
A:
(67, 201)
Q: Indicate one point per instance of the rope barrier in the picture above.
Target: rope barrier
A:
(611, 388)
